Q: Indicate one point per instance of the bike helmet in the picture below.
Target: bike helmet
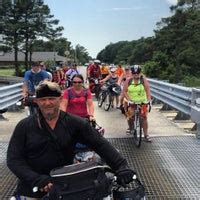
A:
(97, 61)
(135, 69)
(112, 69)
(133, 190)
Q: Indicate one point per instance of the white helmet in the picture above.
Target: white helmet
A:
(97, 61)
(112, 69)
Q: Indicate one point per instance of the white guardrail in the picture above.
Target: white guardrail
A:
(183, 99)
(10, 95)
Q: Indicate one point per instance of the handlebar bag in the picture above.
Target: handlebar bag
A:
(82, 181)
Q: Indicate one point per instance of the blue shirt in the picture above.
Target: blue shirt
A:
(33, 79)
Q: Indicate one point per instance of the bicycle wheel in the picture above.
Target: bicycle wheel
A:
(137, 130)
(97, 89)
(107, 102)
(101, 98)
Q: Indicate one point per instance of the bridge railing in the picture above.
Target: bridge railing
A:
(10, 95)
(183, 99)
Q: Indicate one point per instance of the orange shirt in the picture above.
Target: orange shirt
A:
(104, 70)
(119, 71)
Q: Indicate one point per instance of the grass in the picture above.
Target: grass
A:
(7, 72)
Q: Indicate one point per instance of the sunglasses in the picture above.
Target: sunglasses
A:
(77, 82)
(135, 73)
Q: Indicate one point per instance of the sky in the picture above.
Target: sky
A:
(94, 24)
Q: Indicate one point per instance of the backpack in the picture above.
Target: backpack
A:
(71, 94)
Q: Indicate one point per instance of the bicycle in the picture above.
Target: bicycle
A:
(95, 86)
(112, 90)
(102, 95)
(136, 120)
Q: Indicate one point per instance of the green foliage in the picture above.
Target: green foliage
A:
(172, 54)
(7, 72)
(24, 21)
(191, 81)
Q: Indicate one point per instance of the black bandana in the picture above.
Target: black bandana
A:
(47, 92)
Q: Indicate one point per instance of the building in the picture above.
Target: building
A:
(8, 58)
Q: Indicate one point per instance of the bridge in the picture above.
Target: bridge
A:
(168, 167)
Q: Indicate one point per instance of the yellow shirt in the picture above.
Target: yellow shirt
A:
(137, 92)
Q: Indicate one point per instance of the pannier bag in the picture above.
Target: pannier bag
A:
(83, 181)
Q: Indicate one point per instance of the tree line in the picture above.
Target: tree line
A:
(28, 26)
(172, 53)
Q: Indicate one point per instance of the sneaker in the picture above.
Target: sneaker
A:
(147, 139)
(128, 131)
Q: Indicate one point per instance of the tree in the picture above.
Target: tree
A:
(10, 27)
(22, 22)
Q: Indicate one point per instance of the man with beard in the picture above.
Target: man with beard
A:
(46, 140)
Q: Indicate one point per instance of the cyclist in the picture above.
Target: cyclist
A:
(43, 67)
(94, 72)
(119, 71)
(112, 78)
(46, 140)
(104, 70)
(137, 89)
(70, 73)
(32, 78)
(122, 80)
(77, 99)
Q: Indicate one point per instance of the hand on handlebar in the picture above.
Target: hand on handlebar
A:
(125, 176)
(150, 105)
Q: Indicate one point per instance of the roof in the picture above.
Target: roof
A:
(36, 56)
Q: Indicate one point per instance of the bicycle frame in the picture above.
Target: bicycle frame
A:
(135, 123)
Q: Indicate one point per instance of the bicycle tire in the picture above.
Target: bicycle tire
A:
(107, 102)
(101, 99)
(137, 130)
(97, 89)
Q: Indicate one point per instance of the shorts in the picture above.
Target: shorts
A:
(144, 110)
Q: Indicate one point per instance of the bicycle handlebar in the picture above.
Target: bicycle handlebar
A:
(149, 103)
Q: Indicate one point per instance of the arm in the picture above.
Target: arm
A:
(17, 161)
(64, 101)
(125, 90)
(105, 79)
(120, 79)
(25, 85)
(147, 88)
(25, 89)
(90, 106)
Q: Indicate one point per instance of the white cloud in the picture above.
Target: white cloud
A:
(173, 2)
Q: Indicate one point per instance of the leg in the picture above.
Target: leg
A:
(117, 102)
(145, 123)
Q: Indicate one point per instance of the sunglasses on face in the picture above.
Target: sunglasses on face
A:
(135, 73)
(77, 82)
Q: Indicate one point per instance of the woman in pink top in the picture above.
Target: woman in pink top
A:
(77, 99)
